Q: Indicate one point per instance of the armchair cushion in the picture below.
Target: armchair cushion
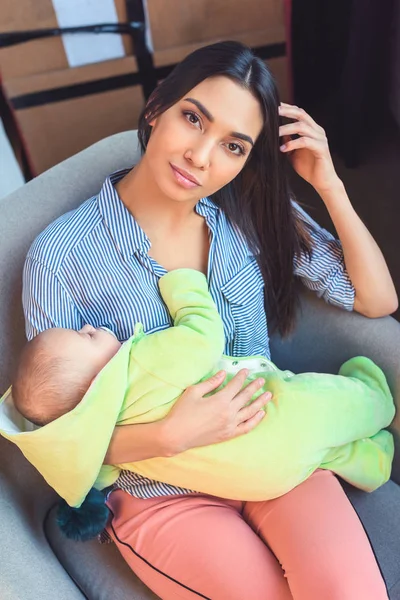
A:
(98, 569)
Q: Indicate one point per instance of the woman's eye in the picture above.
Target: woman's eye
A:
(236, 149)
(191, 117)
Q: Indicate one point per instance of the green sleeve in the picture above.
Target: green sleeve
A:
(185, 353)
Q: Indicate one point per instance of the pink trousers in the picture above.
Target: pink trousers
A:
(306, 545)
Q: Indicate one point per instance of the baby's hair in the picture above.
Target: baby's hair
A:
(45, 386)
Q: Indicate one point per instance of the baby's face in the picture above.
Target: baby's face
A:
(96, 346)
(90, 349)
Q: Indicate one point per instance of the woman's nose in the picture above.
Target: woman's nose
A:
(199, 155)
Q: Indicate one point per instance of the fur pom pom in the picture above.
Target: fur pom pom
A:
(87, 521)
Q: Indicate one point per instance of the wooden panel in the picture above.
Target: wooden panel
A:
(66, 77)
(179, 27)
(181, 23)
(53, 132)
(37, 56)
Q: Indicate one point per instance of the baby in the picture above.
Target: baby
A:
(80, 384)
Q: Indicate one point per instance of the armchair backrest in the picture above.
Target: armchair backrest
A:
(27, 211)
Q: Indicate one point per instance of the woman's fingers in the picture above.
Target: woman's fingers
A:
(302, 129)
(304, 142)
(244, 396)
(210, 384)
(299, 114)
(247, 426)
(235, 385)
(250, 411)
(253, 414)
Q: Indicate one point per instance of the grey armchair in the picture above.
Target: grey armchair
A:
(36, 562)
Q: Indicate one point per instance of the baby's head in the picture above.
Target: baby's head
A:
(56, 369)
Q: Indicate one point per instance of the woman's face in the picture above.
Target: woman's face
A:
(203, 141)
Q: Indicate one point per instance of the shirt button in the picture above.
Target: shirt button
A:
(235, 362)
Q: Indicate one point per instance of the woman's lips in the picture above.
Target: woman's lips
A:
(183, 180)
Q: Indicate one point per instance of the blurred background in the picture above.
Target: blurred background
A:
(75, 71)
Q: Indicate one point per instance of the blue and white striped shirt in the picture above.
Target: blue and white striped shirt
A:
(92, 266)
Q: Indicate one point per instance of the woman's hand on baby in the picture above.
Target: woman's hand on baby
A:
(200, 420)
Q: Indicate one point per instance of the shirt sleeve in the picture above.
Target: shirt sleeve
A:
(45, 302)
(324, 272)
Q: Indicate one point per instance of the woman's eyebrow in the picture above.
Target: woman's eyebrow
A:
(208, 115)
(201, 108)
(242, 136)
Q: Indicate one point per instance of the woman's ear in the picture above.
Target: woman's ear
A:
(147, 116)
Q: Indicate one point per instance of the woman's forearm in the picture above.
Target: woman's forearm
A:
(132, 443)
(375, 292)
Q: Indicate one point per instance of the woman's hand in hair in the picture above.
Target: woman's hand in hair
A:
(200, 420)
(375, 293)
(309, 151)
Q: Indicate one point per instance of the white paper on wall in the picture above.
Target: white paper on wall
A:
(86, 48)
(149, 40)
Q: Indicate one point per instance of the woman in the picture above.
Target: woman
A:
(210, 193)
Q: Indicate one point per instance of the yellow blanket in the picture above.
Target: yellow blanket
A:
(314, 420)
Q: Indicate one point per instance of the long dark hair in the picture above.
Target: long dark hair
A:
(258, 200)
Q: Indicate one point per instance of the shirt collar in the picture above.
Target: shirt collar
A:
(123, 227)
(207, 204)
(207, 209)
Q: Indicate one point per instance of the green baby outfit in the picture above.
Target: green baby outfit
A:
(313, 420)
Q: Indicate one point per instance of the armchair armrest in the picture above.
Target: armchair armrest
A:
(326, 336)
(29, 568)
